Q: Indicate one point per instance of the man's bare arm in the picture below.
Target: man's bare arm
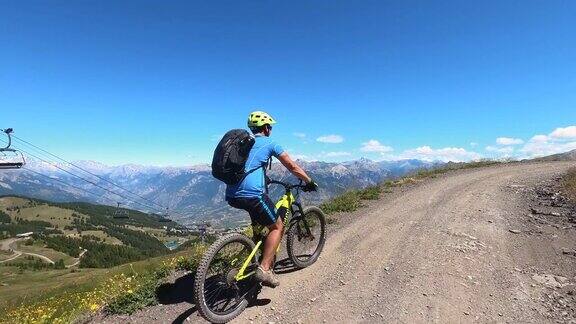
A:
(294, 168)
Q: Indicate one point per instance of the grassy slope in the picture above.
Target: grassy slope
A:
(39, 248)
(60, 215)
(18, 286)
(5, 255)
(100, 213)
(70, 296)
(51, 283)
(100, 234)
(30, 285)
(30, 211)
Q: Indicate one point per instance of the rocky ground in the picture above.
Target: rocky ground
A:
(485, 245)
(552, 215)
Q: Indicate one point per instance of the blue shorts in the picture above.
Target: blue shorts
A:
(261, 210)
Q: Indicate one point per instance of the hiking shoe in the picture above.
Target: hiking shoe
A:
(268, 278)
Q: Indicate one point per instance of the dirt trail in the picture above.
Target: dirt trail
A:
(9, 244)
(6, 245)
(77, 262)
(457, 248)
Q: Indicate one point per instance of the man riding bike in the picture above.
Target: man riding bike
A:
(250, 194)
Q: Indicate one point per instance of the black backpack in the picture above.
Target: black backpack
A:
(230, 156)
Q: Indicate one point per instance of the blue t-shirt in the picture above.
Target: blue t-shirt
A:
(253, 184)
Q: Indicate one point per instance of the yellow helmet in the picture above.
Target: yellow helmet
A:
(260, 118)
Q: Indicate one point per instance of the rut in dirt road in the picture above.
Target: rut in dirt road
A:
(457, 248)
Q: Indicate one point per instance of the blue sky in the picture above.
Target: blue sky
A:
(156, 82)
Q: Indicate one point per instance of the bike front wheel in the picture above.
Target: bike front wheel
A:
(219, 297)
(306, 237)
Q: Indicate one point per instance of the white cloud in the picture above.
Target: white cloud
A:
(426, 153)
(536, 149)
(299, 135)
(539, 139)
(332, 139)
(337, 154)
(562, 139)
(564, 133)
(375, 146)
(473, 144)
(500, 149)
(541, 145)
(508, 141)
(504, 147)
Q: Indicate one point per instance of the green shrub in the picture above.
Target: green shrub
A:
(346, 202)
(137, 298)
(4, 218)
(388, 184)
(145, 286)
(370, 193)
(59, 264)
(351, 200)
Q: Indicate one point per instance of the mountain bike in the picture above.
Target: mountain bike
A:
(225, 284)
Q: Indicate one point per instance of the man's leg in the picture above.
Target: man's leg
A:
(263, 213)
(271, 244)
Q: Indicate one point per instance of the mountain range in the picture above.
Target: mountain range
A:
(566, 156)
(191, 194)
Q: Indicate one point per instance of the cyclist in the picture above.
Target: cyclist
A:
(251, 195)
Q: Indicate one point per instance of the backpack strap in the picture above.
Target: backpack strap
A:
(250, 171)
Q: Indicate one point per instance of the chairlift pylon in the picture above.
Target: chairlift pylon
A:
(120, 213)
(6, 164)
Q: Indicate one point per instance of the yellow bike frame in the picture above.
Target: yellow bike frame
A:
(285, 202)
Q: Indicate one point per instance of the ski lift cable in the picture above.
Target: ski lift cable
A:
(89, 172)
(90, 182)
(65, 183)
(45, 153)
(73, 186)
(161, 210)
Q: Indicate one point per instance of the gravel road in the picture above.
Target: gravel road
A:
(9, 244)
(457, 248)
(6, 245)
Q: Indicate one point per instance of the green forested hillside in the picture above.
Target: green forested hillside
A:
(71, 228)
(75, 249)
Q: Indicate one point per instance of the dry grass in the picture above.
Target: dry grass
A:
(350, 200)
(64, 296)
(101, 234)
(32, 211)
(38, 248)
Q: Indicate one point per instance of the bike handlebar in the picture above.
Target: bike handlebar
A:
(287, 186)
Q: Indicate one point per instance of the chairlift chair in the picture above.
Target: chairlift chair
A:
(6, 163)
(120, 213)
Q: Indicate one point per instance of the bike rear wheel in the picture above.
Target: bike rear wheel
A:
(218, 296)
(306, 237)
